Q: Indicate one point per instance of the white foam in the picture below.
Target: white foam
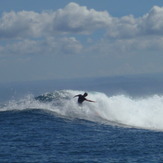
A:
(144, 113)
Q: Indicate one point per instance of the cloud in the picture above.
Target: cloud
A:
(71, 19)
(16, 24)
(124, 27)
(55, 32)
(129, 26)
(152, 22)
(126, 47)
(48, 46)
(76, 19)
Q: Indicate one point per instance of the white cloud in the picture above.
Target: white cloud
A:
(54, 32)
(124, 27)
(127, 47)
(152, 22)
(48, 46)
(71, 19)
(79, 19)
(21, 24)
(129, 27)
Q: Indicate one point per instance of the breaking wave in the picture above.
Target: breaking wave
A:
(122, 110)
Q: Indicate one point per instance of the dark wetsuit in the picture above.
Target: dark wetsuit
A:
(81, 99)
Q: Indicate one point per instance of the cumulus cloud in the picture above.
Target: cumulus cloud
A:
(81, 20)
(77, 19)
(71, 19)
(23, 24)
(54, 32)
(48, 46)
(152, 22)
(127, 47)
(129, 26)
(124, 27)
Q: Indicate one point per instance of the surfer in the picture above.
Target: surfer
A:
(81, 98)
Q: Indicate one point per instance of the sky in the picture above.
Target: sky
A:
(44, 40)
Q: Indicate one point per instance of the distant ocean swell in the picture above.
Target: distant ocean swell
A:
(142, 112)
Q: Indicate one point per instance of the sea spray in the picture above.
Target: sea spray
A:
(142, 112)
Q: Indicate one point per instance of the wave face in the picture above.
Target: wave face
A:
(121, 110)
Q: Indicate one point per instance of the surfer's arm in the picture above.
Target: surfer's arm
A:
(89, 100)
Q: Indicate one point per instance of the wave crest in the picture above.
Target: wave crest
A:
(119, 109)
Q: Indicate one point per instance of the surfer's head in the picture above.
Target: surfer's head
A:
(85, 94)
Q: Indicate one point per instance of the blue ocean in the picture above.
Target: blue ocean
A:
(41, 121)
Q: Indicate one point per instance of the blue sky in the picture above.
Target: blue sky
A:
(42, 40)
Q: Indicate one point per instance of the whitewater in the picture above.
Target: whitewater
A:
(116, 110)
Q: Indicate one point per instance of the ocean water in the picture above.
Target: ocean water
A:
(125, 124)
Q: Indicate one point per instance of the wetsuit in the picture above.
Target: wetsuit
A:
(81, 99)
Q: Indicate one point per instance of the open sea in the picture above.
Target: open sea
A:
(41, 122)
